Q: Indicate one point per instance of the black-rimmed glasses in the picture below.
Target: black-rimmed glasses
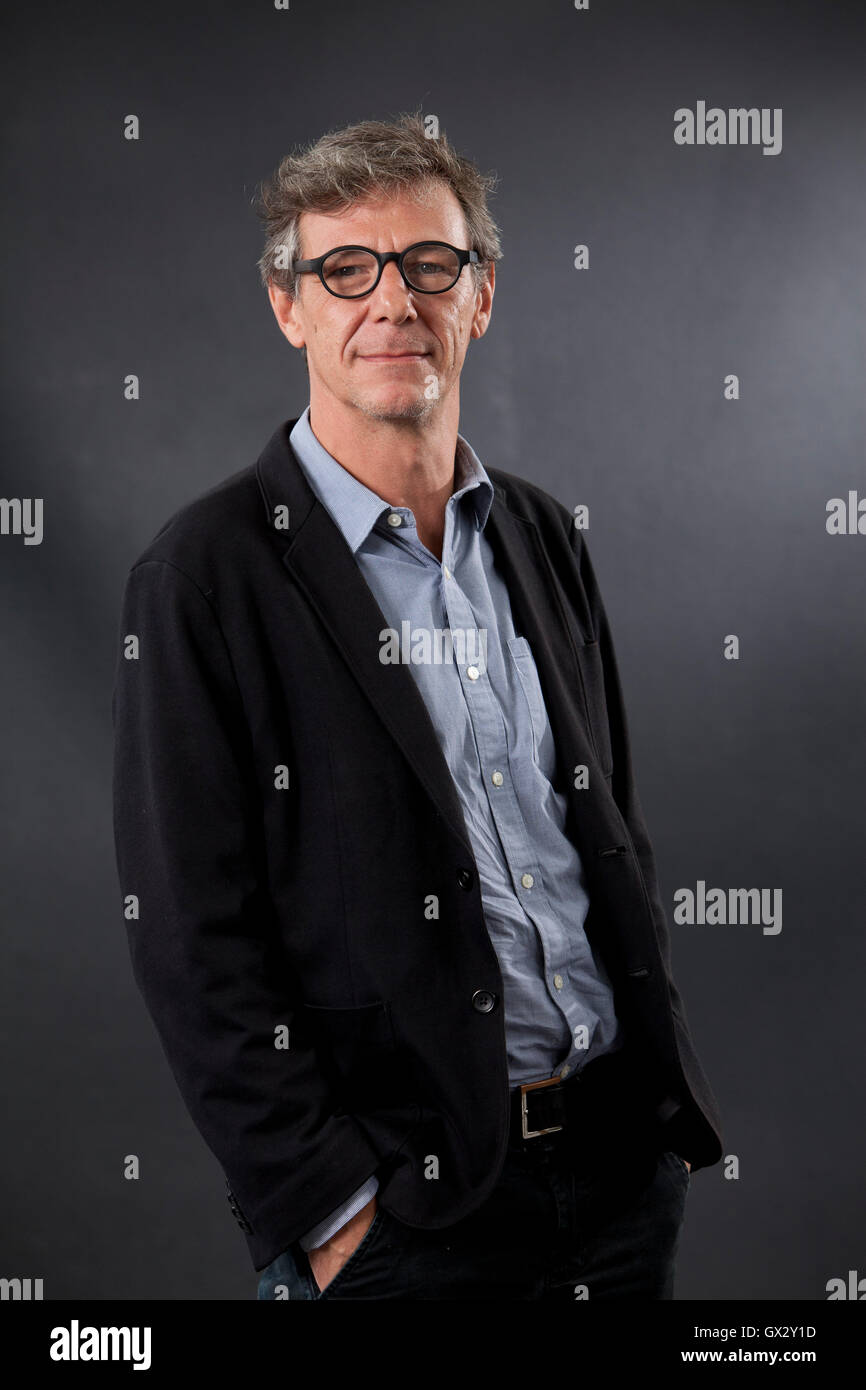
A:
(430, 267)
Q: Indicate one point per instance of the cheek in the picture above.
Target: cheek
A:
(343, 338)
(456, 327)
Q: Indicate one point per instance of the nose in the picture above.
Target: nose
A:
(392, 297)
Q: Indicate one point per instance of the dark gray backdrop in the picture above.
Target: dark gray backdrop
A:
(605, 386)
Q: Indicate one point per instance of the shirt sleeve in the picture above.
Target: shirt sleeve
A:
(329, 1227)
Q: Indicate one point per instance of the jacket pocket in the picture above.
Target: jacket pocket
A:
(357, 1052)
(595, 703)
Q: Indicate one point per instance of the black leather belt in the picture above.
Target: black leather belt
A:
(594, 1106)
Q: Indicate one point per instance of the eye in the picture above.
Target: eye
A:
(438, 265)
(343, 266)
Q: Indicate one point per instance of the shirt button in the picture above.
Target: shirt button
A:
(395, 519)
(473, 672)
(446, 571)
(483, 1001)
(497, 779)
(557, 980)
(565, 1070)
(527, 880)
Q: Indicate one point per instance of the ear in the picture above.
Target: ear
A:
(285, 312)
(483, 304)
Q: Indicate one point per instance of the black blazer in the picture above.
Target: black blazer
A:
(283, 814)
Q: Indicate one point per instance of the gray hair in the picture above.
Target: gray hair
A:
(369, 158)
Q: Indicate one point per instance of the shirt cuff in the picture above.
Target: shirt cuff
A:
(338, 1218)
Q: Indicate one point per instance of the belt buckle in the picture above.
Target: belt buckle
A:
(534, 1086)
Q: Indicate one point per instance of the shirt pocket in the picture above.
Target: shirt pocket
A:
(523, 662)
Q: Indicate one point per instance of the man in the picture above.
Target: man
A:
(389, 892)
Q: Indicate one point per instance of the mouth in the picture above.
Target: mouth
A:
(395, 356)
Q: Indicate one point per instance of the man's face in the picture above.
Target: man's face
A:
(395, 353)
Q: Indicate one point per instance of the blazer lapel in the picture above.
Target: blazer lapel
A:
(541, 614)
(322, 564)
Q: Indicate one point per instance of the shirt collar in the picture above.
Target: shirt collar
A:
(355, 507)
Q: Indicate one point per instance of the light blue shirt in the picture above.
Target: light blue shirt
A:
(485, 701)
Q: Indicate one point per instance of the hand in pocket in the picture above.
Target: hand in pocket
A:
(327, 1260)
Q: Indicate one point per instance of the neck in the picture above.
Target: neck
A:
(408, 462)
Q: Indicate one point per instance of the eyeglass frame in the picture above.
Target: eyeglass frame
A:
(383, 257)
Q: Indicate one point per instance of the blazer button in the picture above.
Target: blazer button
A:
(236, 1211)
(465, 878)
(483, 1001)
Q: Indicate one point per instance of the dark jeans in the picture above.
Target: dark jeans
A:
(551, 1229)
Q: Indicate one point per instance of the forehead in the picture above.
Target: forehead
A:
(385, 222)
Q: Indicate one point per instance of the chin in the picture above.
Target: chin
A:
(415, 407)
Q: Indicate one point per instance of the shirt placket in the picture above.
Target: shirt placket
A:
(495, 767)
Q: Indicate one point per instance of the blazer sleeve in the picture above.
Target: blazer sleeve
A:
(202, 932)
